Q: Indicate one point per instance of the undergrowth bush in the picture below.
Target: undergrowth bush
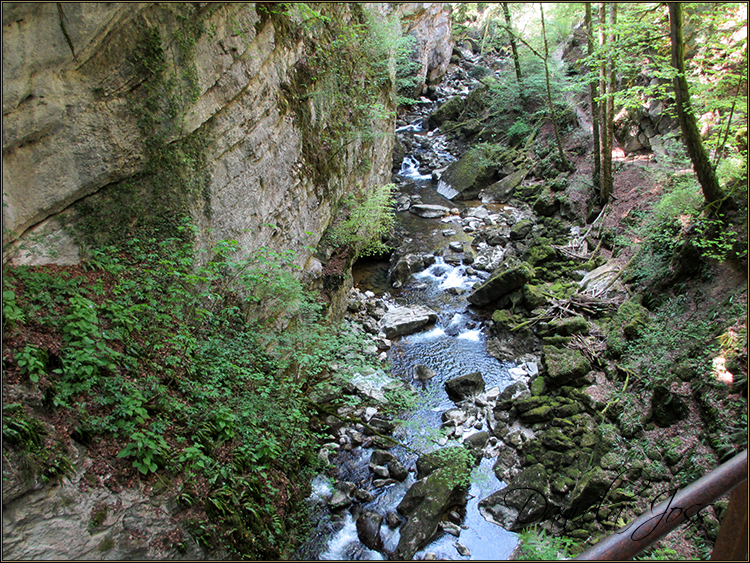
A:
(370, 218)
(196, 366)
(539, 545)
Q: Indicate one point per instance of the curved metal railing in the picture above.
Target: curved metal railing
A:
(653, 525)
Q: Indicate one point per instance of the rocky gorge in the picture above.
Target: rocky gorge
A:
(502, 235)
(494, 330)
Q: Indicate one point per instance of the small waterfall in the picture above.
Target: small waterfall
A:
(445, 190)
(410, 169)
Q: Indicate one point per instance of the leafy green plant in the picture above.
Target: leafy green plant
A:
(21, 429)
(518, 132)
(658, 554)
(148, 449)
(32, 362)
(406, 72)
(539, 545)
(195, 457)
(12, 313)
(717, 240)
(370, 218)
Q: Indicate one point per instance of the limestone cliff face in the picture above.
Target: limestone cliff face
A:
(123, 118)
(114, 113)
(431, 25)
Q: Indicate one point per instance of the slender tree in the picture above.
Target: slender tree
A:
(607, 107)
(594, 91)
(555, 125)
(611, 89)
(513, 45)
(690, 132)
(550, 106)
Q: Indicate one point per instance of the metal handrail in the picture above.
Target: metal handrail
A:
(651, 526)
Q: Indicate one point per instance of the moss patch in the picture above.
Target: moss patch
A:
(563, 365)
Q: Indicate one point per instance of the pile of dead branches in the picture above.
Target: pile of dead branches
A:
(576, 305)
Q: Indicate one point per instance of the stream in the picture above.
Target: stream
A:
(453, 346)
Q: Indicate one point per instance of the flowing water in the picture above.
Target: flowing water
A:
(454, 346)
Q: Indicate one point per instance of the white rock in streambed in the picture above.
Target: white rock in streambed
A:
(427, 211)
(400, 321)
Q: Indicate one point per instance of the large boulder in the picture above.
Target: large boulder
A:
(464, 387)
(424, 504)
(474, 171)
(489, 258)
(511, 275)
(523, 502)
(603, 282)
(400, 321)
(569, 325)
(428, 211)
(408, 264)
(368, 529)
(372, 384)
(563, 365)
(449, 111)
(500, 191)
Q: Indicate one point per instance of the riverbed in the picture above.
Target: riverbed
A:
(453, 346)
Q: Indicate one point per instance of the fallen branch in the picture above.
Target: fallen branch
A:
(624, 387)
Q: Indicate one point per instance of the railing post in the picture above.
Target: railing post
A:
(681, 507)
(731, 545)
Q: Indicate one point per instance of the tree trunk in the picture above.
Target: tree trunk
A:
(513, 45)
(594, 104)
(698, 155)
(563, 160)
(605, 187)
(611, 89)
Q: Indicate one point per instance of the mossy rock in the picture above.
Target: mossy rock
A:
(556, 440)
(476, 169)
(501, 190)
(510, 276)
(527, 403)
(432, 496)
(538, 414)
(521, 230)
(542, 254)
(559, 184)
(612, 460)
(527, 193)
(656, 471)
(579, 534)
(589, 440)
(564, 365)
(563, 289)
(569, 325)
(504, 319)
(559, 341)
(552, 459)
(513, 507)
(592, 488)
(632, 317)
(546, 204)
(565, 411)
(449, 111)
(615, 345)
(533, 295)
(538, 386)
(562, 484)
(666, 407)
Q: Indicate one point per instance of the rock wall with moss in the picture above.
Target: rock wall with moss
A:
(123, 119)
